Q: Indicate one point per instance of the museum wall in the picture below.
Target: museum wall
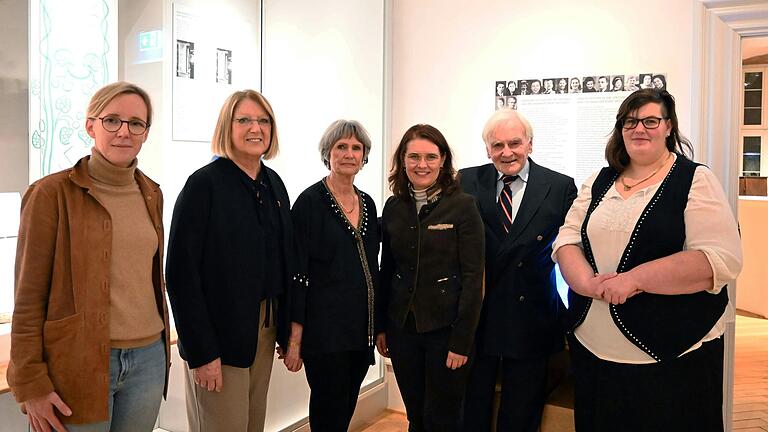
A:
(447, 56)
(323, 62)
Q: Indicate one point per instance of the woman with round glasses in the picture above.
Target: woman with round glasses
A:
(230, 252)
(431, 280)
(89, 342)
(648, 249)
(333, 314)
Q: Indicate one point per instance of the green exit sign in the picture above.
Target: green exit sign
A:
(150, 40)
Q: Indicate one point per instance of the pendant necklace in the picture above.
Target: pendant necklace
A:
(338, 198)
(627, 187)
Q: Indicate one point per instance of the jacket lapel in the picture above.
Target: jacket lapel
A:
(536, 191)
(151, 196)
(487, 199)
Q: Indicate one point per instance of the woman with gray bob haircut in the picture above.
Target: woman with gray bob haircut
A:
(341, 129)
(332, 328)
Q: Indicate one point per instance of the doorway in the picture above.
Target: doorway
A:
(750, 384)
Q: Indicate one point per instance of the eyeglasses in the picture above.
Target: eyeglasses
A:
(415, 158)
(648, 122)
(114, 123)
(247, 121)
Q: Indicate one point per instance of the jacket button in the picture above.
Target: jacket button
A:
(520, 264)
(522, 298)
(539, 238)
(104, 349)
(412, 268)
(410, 290)
(106, 254)
(413, 227)
(149, 198)
(102, 317)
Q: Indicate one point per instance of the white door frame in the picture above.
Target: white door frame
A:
(718, 28)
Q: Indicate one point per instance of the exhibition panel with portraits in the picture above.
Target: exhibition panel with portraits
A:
(572, 109)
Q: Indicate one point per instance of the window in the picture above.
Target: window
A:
(753, 98)
(754, 122)
(751, 158)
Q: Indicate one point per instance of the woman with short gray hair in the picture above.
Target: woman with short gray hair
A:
(332, 329)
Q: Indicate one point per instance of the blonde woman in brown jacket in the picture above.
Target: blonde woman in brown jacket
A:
(89, 341)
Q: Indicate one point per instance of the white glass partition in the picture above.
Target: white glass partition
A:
(72, 54)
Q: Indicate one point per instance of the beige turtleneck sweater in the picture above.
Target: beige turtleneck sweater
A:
(134, 320)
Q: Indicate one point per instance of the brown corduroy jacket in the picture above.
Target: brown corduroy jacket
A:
(60, 329)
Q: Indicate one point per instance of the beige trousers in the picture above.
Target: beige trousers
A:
(242, 403)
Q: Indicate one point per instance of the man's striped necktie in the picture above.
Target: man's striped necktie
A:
(505, 202)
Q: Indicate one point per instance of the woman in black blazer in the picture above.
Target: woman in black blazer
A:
(332, 327)
(431, 280)
(230, 252)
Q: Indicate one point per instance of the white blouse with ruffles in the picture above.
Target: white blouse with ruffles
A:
(709, 227)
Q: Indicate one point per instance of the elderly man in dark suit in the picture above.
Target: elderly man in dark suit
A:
(522, 205)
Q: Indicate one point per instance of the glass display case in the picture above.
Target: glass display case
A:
(10, 203)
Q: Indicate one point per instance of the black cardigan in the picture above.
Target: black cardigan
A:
(216, 265)
(432, 264)
(332, 302)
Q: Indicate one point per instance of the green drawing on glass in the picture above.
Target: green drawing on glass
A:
(70, 71)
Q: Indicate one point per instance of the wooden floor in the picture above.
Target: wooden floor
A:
(750, 399)
(750, 393)
(389, 421)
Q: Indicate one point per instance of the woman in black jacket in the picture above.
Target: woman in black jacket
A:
(230, 252)
(332, 327)
(431, 280)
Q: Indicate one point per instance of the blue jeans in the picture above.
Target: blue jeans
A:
(136, 382)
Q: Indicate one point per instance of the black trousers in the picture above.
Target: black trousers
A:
(334, 380)
(432, 393)
(683, 394)
(523, 383)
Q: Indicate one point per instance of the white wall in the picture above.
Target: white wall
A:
(447, 53)
(166, 160)
(755, 46)
(323, 61)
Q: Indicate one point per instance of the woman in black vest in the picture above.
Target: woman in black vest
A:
(431, 280)
(332, 327)
(647, 249)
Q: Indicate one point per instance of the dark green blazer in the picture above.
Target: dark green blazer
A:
(432, 264)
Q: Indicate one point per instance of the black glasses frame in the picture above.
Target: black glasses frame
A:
(630, 123)
(132, 124)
